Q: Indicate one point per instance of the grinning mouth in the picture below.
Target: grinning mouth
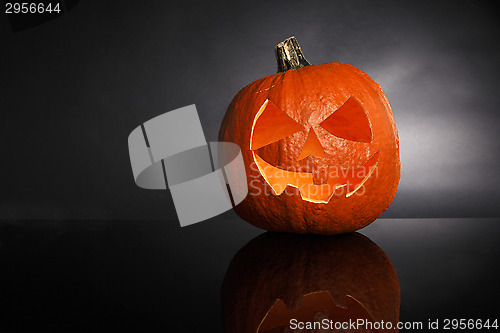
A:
(352, 179)
(280, 316)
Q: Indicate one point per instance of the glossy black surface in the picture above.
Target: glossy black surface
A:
(88, 276)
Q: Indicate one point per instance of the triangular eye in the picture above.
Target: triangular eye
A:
(270, 125)
(349, 122)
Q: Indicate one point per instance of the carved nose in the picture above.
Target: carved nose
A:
(312, 146)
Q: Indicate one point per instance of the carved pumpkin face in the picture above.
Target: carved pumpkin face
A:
(316, 179)
(321, 149)
(279, 277)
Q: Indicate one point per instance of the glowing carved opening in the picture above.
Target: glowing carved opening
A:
(352, 178)
(349, 122)
(279, 315)
(312, 146)
(272, 125)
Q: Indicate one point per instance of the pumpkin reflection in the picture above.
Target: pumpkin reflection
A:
(277, 278)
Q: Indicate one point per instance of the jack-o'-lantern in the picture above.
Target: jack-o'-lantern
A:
(320, 145)
(282, 281)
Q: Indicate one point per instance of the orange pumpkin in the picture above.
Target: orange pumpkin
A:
(276, 278)
(320, 145)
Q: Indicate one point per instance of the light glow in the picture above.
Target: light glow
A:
(273, 124)
(278, 179)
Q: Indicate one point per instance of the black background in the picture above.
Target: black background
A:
(75, 87)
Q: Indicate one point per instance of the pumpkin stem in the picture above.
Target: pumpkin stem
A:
(289, 55)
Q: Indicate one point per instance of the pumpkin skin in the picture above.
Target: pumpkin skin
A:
(309, 96)
(288, 268)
